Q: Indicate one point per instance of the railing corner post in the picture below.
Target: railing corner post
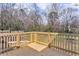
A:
(35, 37)
(49, 40)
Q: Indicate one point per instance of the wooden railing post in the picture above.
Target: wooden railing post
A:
(35, 37)
(31, 38)
(49, 40)
(18, 40)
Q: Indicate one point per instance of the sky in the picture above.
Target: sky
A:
(44, 5)
(24, 5)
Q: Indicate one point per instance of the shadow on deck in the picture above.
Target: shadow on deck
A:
(27, 51)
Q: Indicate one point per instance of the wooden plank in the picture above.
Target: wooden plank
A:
(37, 47)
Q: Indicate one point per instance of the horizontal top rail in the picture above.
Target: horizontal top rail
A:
(52, 33)
(5, 34)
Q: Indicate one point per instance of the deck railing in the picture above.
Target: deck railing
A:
(68, 43)
(10, 41)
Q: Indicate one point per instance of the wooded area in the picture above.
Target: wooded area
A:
(55, 18)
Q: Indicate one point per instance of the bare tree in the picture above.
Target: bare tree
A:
(53, 16)
(67, 17)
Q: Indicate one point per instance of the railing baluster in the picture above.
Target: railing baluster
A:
(49, 40)
(2, 42)
(67, 42)
(31, 37)
(7, 41)
(63, 44)
(75, 46)
(53, 40)
(58, 42)
(72, 39)
(78, 45)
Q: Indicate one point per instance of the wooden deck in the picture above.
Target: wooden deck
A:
(27, 51)
(61, 41)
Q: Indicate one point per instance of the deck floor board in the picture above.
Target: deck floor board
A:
(27, 51)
